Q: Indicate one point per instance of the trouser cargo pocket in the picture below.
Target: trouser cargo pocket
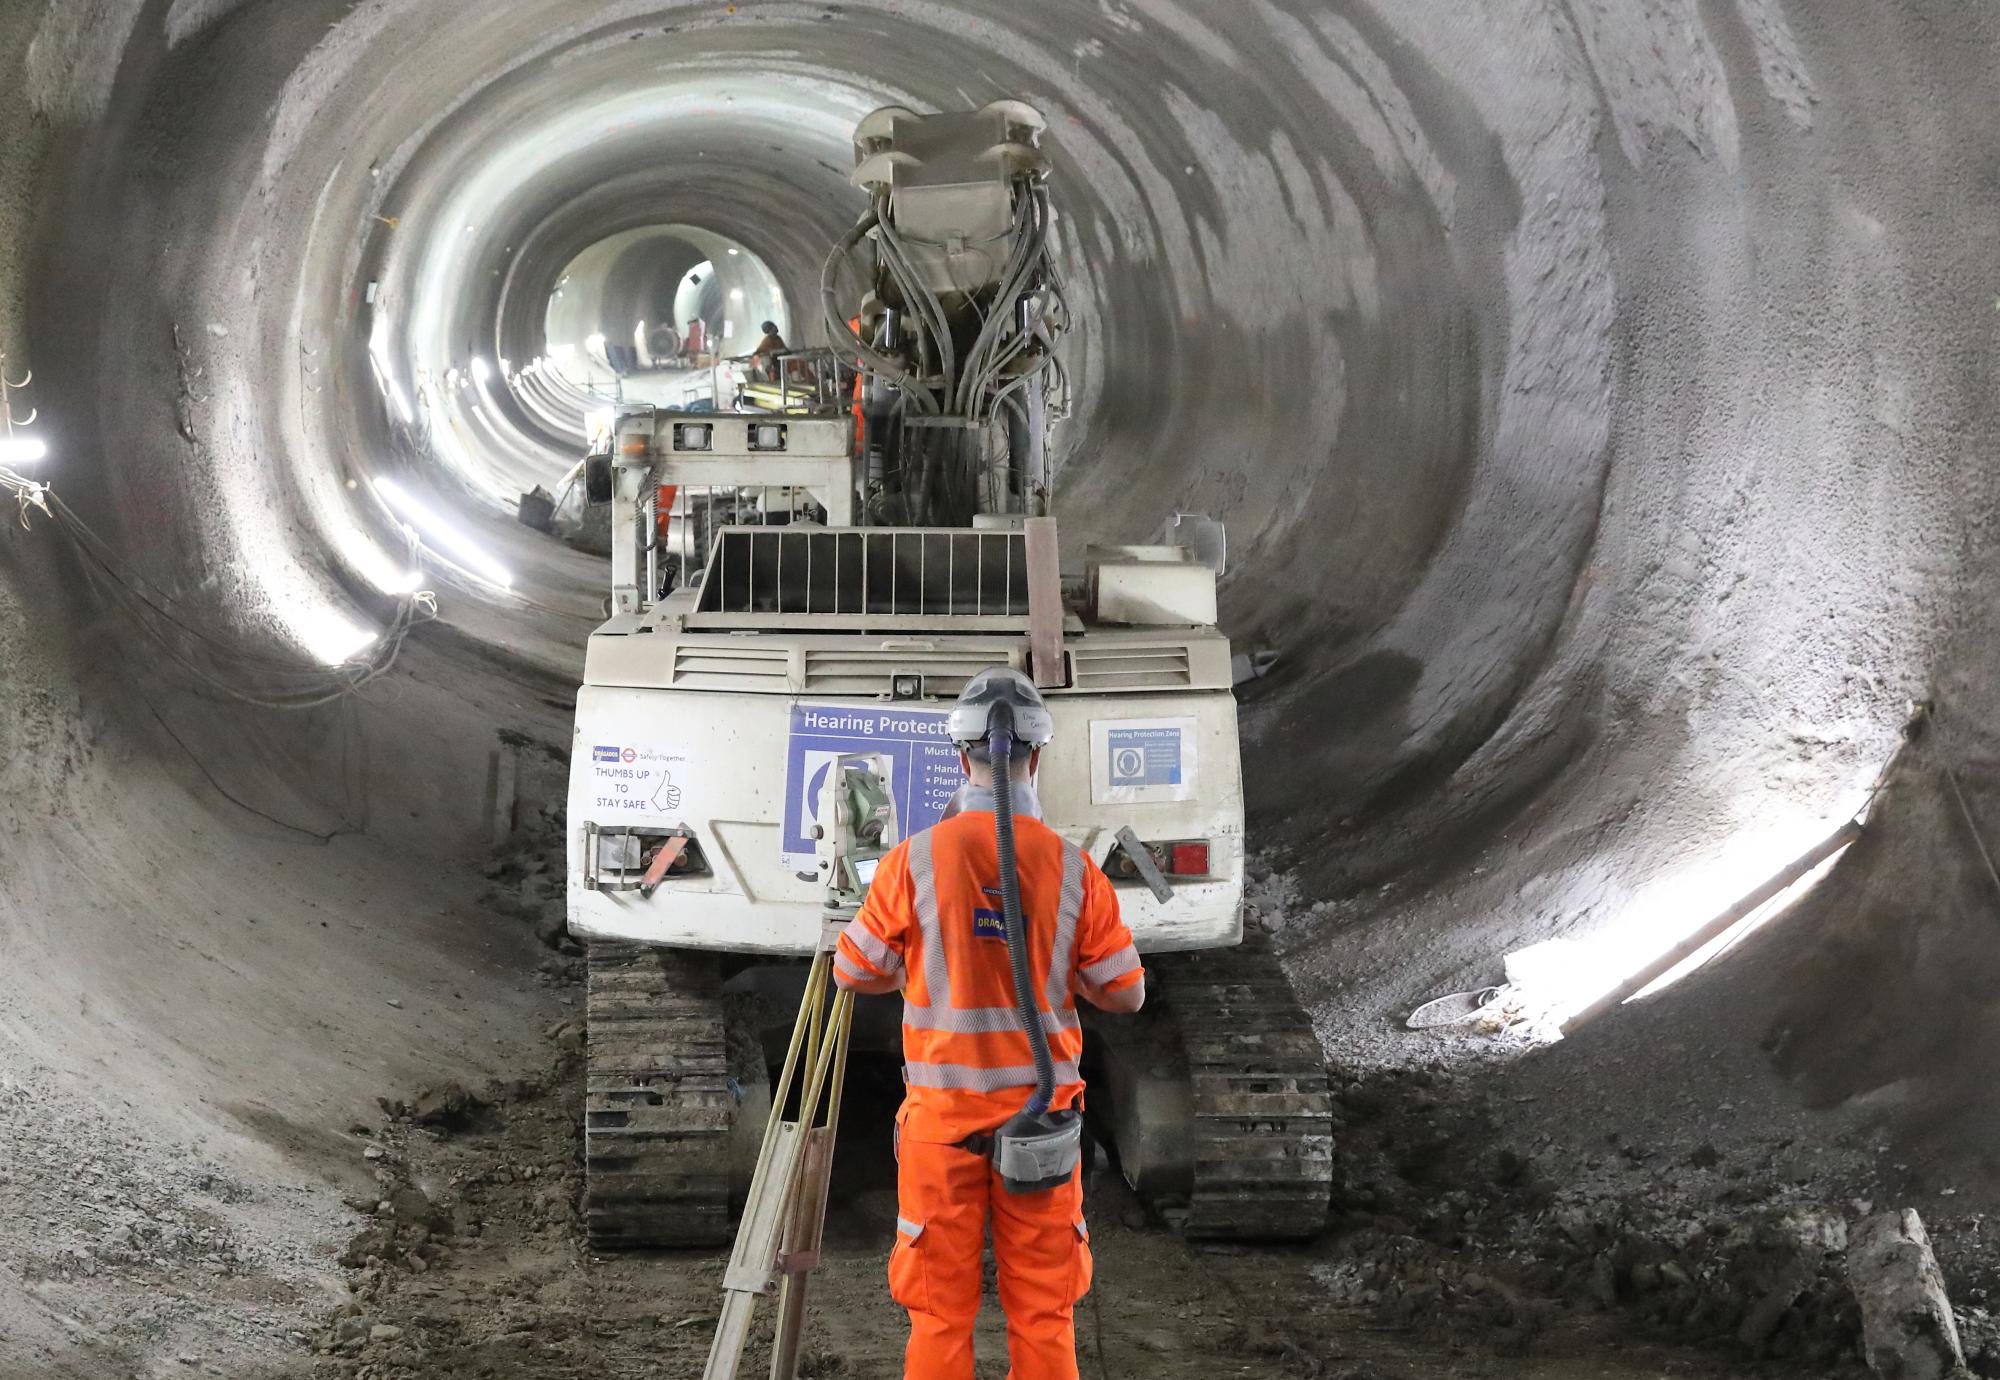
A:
(909, 1284)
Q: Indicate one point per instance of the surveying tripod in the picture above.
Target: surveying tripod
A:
(778, 1241)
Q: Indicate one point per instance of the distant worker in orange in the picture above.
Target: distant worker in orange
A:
(764, 359)
(860, 378)
(984, 921)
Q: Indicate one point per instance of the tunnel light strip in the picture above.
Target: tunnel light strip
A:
(23, 450)
(1744, 928)
(376, 567)
(378, 353)
(334, 638)
(443, 536)
(1572, 981)
(482, 378)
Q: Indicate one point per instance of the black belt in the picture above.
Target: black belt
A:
(979, 1143)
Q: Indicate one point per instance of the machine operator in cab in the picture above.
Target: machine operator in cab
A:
(764, 359)
(933, 928)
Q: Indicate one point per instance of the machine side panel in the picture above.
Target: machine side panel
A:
(711, 764)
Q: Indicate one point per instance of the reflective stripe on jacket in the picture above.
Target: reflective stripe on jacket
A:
(934, 910)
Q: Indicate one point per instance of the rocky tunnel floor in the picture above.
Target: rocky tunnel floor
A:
(1453, 1254)
(1474, 1234)
(473, 1264)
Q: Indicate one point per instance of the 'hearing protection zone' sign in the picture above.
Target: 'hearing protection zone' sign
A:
(911, 749)
(1137, 761)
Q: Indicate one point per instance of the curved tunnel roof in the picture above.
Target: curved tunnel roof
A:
(1597, 399)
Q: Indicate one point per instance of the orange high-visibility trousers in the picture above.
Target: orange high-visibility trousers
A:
(945, 1198)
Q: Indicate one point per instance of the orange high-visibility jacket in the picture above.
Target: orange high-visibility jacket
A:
(934, 910)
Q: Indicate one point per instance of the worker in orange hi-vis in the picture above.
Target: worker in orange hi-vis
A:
(860, 377)
(983, 921)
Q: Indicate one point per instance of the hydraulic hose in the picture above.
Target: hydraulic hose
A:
(1000, 751)
(843, 336)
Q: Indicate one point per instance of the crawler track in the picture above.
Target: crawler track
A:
(1263, 1113)
(659, 1104)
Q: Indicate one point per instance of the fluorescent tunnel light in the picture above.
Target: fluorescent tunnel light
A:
(22, 450)
(335, 639)
(443, 536)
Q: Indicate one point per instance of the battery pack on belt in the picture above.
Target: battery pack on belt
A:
(1034, 1151)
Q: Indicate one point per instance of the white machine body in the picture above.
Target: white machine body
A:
(803, 626)
(713, 713)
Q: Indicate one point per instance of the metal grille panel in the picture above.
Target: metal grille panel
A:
(1128, 666)
(748, 668)
(865, 671)
(878, 572)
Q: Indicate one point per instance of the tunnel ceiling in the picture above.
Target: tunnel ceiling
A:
(1587, 389)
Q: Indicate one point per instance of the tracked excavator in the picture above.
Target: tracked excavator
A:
(798, 591)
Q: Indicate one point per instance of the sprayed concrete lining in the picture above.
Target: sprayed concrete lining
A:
(1598, 396)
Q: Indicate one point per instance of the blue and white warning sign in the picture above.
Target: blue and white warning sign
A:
(913, 751)
(1138, 761)
(1144, 756)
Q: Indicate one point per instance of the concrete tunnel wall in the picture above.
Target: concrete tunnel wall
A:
(1598, 397)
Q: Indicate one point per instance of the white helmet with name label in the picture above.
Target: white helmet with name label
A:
(972, 716)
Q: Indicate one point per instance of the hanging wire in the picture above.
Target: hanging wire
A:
(8, 421)
(1013, 325)
(218, 663)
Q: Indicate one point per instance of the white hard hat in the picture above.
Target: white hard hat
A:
(1034, 726)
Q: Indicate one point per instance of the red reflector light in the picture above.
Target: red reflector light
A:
(1188, 859)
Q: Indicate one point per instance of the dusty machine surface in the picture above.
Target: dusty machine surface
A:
(799, 588)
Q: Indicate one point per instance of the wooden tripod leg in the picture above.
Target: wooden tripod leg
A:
(791, 1325)
(802, 1246)
(778, 1243)
(732, 1333)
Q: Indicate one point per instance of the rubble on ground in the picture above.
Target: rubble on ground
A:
(473, 1262)
(1909, 1328)
(1445, 1229)
(1436, 1222)
(450, 1107)
(528, 883)
(515, 1174)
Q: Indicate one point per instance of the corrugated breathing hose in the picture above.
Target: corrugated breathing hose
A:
(1000, 750)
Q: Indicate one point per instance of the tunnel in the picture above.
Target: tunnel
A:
(1596, 395)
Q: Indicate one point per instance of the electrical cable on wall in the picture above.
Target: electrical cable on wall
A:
(279, 683)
